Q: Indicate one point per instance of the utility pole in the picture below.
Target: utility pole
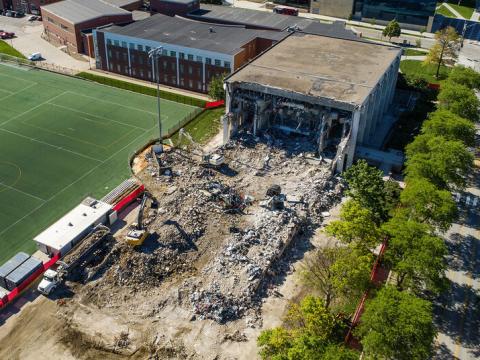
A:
(154, 54)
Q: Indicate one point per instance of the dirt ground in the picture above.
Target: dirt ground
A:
(218, 267)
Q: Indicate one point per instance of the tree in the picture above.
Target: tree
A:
(444, 52)
(216, 90)
(392, 192)
(366, 186)
(392, 30)
(451, 126)
(397, 325)
(308, 332)
(416, 256)
(424, 202)
(356, 226)
(338, 273)
(460, 100)
(465, 76)
(445, 163)
(339, 352)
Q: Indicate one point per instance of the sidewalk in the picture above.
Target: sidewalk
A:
(149, 84)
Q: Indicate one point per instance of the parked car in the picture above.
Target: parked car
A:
(19, 14)
(32, 17)
(6, 35)
(34, 57)
(9, 13)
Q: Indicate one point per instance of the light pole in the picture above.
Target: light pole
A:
(465, 27)
(154, 54)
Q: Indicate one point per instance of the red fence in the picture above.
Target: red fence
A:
(214, 104)
(12, 295)
(378, 275)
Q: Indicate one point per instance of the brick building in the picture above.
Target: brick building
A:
(68, 22)
(193, 52)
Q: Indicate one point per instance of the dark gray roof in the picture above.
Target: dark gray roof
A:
(248, 17)
(336, 30)
(181, 1)
(193, 34)
(79, 11)
(121, 3)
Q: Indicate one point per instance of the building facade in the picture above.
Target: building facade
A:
(65, 22)
(174, 7)
(193, 53)
(336, 8)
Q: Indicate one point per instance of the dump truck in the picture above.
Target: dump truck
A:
(80, 255)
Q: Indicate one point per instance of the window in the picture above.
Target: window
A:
(140, 47)
(134, 72)
(140, 60)
(173, 53)
(110, 66)
(116, 43)
(131, 46)
(208, 61)
(125, 57)
(124, 44)
(199, 58)
(132, 57)
(190, 84)
(199, 85)
(174, 79)
(50, 20)
(165, 64)
(165, 78)
(164, 52)
(141, 73)
(173, 66)
(109, 42)
(148, 48)
(110, 54)
(190, 70)
(218, 62)
(119, 68)
(181, 55)
(117, 55)
(199, 73)
(226, 64)
(181, 68)
(182, 82)
(149, 74)
(64, 27)
(190, 57)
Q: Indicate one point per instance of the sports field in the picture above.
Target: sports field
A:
(62, 139)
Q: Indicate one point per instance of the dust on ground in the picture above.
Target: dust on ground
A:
(213, 272)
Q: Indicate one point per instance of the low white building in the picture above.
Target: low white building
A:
(71, 228)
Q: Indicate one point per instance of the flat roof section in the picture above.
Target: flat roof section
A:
(341, 70)
(73, 224)
(192, 34)
(79, 11)
(248, 17)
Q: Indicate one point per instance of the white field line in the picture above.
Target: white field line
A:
(53, 146)
(73, 183)
(18, 92)
(21, 192)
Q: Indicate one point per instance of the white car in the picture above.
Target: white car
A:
(35, 56)
(49, 282)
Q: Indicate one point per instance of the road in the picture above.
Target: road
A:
(28, 40)
(457, 312)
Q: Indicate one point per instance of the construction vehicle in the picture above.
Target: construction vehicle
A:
(80, 255)
(211, 160)
(138, 233)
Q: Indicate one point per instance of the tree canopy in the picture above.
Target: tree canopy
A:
(423, 201)
(310, 331)
(416, 256)
(216, 90)
(392, 29)
(445, 50)
(451, 126)
(356, 227)
(460, 100)
(397, 325)
(366, 186)
(445, 163)
(465, 76)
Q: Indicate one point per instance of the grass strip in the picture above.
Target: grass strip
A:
(9, 50)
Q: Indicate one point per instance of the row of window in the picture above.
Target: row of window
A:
(64, 27)
(165, 52)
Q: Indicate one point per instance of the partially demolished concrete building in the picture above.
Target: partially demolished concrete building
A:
(333, 91)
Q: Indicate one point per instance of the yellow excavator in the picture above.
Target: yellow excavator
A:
(138, 233)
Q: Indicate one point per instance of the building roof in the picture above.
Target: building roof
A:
(181, 1)
(73, 224)
(79, 11)
(192, 34)
(342, 71)
(121, 3)
(248, 17)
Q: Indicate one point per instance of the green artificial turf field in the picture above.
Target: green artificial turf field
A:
(62, 139)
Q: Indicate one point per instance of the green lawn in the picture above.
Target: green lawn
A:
(61, 139)
(7, 49)
(413, 52)
(415, 67)
(465, 11)
(442, 10)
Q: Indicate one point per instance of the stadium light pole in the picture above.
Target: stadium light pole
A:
(154, 54)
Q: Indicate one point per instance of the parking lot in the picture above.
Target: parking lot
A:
(28, 40)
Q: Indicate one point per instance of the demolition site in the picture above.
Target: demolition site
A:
(187, 271)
